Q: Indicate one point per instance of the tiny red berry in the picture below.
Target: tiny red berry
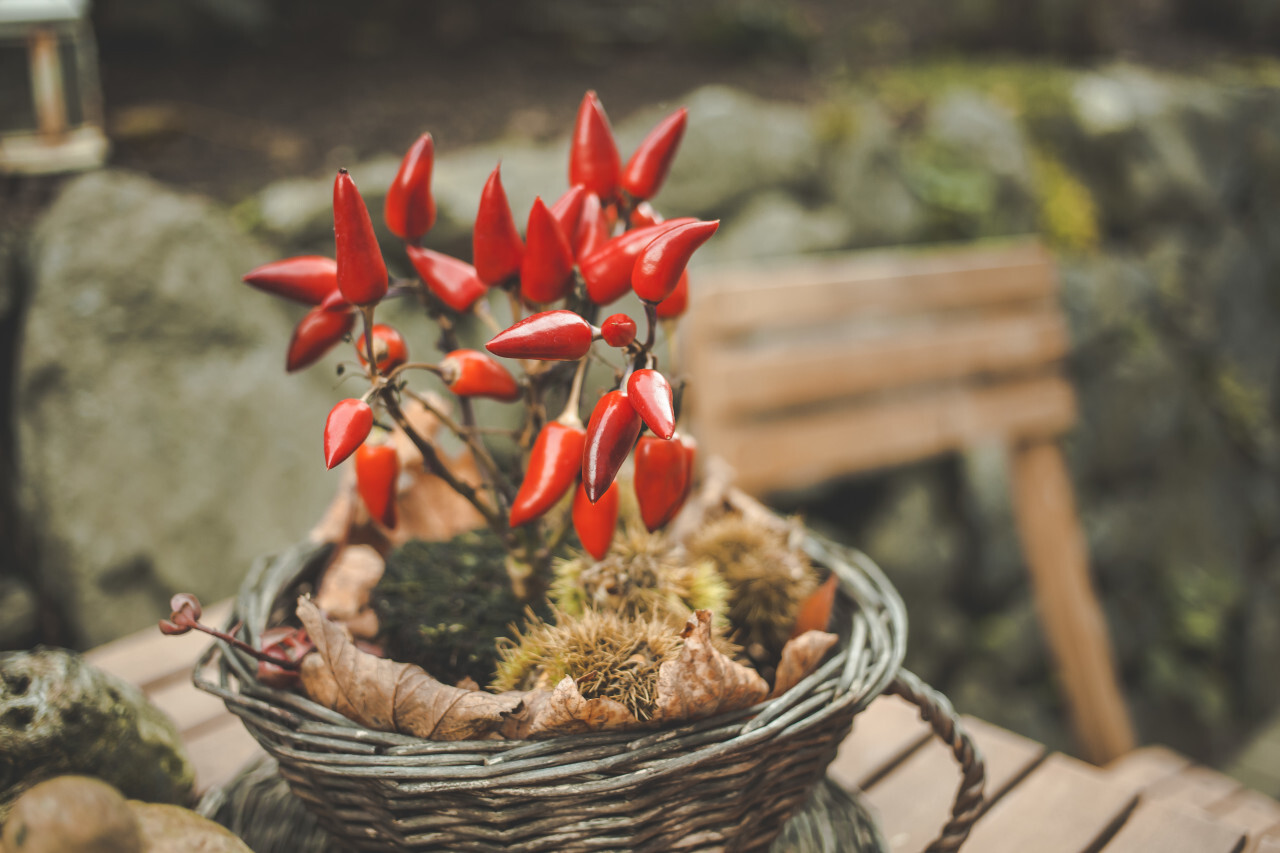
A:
(618, 330)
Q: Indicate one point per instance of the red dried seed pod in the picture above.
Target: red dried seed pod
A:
(546, 272)
(308, 279)
(471, 373)
(496, 247)
(345, 429)
(559, 335)
(409, 210)
(648, 166)
(389, 349)
(611, 432)
(362, 274)
(568, 209)
(593, 227)
(607, 271)
(454, 282)
(553, 467)
(593, 154)
(618, 330)
(319, 330)
(595, 523)
(661, 479)
(678, 302)
(650, 396)
(663, 261)
(377, 469)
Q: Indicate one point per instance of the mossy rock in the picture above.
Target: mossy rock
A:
(59, 715)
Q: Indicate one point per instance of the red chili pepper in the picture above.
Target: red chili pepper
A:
(377, 469)
(454, 282)
(568, 209)
(607, 270)
(319, 331)
(307, 278)
(345, 429)
(663, 478)
(650, 396)
(618, 330)
(595, 523)
(643, 214)
(593, 227)
(814, 613)
(559, 335)
(593, 155)
(546, 272)
(410, 211)
(362, 274)
(496, 247)
(648, 166)
(471, 373)
(611, 431)
(678, 302)
(660, 265)
(553, 466)
(389, 349)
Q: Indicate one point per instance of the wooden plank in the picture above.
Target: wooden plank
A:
(1158, 826)
(914, 800)
(1143, 767)
(1064, 806)
(1196, 786)
(189, 707)
(1251, 812)
(729, 301)
(1054, 546)
(885, 733)
(219, 750)
(735, 382)
(794, 453)
(1268, 844)
(146, 658)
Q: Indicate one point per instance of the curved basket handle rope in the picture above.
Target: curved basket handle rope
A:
(938, 713)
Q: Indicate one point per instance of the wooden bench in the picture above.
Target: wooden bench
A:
(807, 369)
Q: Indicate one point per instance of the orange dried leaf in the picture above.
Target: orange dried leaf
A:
(389, 696)
(800, 657)
(346, 585)
(814, 613)
(701, 681)
(566, 712)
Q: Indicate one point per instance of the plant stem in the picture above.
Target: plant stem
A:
(474, 444)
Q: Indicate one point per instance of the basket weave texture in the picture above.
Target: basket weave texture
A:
(728, 783)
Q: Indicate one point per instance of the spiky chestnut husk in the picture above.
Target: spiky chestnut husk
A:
(606, 653)
(767, 582)
(441, 605)
(642, 574)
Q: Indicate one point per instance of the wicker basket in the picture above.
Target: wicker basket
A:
(728, 783)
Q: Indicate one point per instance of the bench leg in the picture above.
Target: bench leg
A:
(1056, 554)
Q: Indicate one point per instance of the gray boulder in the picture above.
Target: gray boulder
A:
(162, 446)
(774, 223)
(60, 715)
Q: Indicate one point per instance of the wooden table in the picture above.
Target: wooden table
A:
(1151, 799)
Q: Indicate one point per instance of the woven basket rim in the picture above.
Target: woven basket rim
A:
(867, 658)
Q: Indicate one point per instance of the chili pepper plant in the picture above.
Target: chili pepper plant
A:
(545, 296)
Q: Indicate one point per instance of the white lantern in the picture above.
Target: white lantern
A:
(50, 99)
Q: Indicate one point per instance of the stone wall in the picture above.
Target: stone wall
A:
(1161, 195)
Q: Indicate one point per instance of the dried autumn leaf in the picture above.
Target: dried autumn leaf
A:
(800, 657)
(701, 682)
(344, 589)
(566, 712)
(389, 696)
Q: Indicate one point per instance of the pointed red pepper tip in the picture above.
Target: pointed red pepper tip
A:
(345, 429)
(546, 271)
(496, 247)
(648, 166)
(663, 478)
(593, 154)
(663, 261)
(454, 282)
(559, 335)
(650, 395)
(308, 279)
(611, 432)
(409, 210)
(377, 468)
(319, 330)
(595, 523)
(362, 274)
(554, 464)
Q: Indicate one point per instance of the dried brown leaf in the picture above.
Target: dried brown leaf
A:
(702, 682)
(389, 696)
(800, 657)
(345, 587)
(566, 712)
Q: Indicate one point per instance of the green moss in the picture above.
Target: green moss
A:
(442, 605)
(1031, 90)
(1242, 404)
(1065, 207)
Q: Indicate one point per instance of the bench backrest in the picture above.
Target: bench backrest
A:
(812, 368)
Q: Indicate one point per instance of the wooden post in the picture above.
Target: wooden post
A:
(1055, 550)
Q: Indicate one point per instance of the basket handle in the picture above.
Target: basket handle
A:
(936, 710)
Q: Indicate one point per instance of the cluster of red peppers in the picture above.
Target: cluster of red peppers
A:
(597, 242)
